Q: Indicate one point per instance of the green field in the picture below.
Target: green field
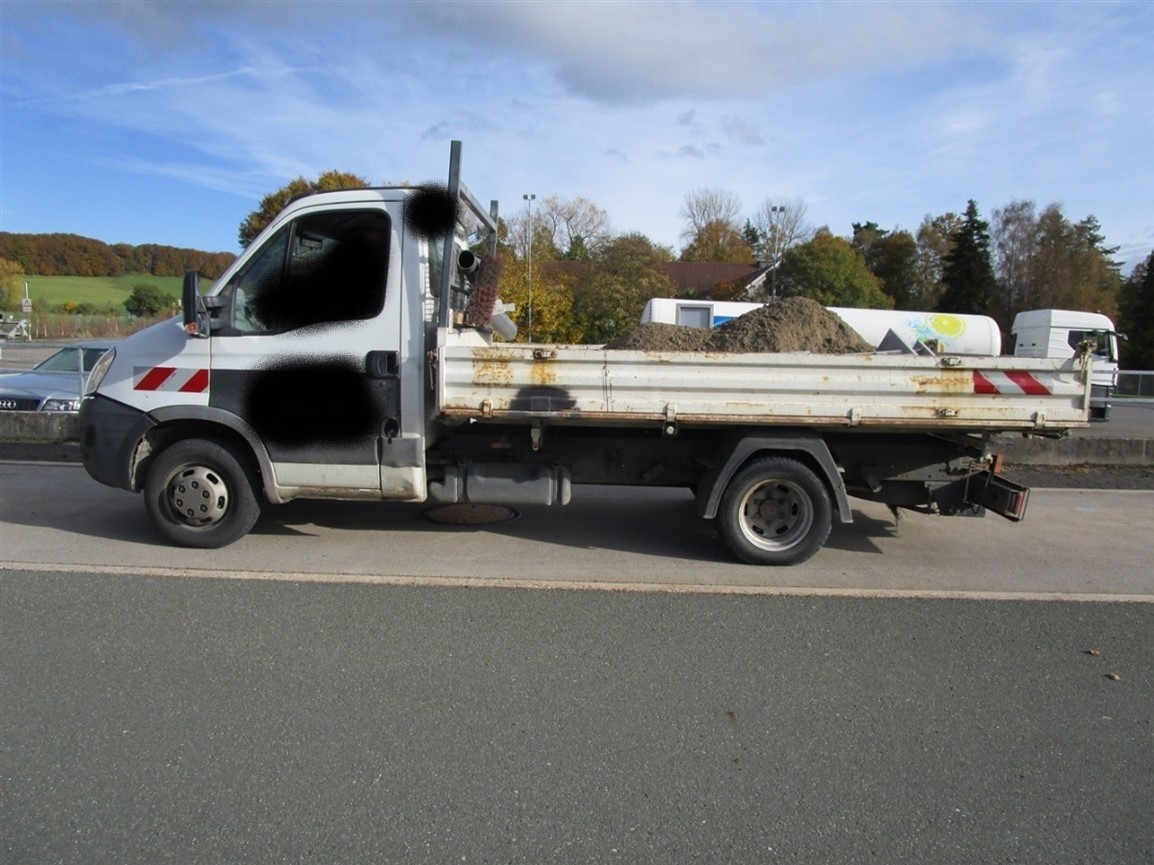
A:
(100, 291)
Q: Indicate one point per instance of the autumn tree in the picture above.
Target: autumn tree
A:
(274, 202)
(828, 270)
(935, 239)
(720, 242)
(1073, 265)
(968, 274)
(10, 273)
(712, 231)
(550, 297)
(1136, 316)
(1042, 260)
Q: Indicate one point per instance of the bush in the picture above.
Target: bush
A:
(147, 300)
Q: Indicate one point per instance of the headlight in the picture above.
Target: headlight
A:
(99, 370)
(61, 405)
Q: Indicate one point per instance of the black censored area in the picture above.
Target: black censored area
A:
(298, 404)
(431, 212)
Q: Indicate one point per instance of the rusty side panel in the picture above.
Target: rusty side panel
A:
(588, 385)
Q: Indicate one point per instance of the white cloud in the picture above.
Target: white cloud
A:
(880, 111)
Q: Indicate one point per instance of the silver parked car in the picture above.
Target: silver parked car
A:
(55, 384)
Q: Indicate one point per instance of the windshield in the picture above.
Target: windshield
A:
(68, 360)
(1104, 350)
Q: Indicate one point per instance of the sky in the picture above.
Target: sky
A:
(166, 122)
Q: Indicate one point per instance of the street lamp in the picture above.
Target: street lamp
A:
(530, 198)
(776, 229)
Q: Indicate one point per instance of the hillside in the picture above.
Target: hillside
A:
(73, 255)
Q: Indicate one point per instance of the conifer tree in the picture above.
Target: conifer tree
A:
(968, 275)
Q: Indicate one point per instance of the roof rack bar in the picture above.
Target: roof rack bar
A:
(460, 193)
(448, 259)
(475, 206)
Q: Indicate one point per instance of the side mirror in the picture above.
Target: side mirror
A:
(192, 305)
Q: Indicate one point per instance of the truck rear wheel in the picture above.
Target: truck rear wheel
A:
(198, 494)
(775, 511)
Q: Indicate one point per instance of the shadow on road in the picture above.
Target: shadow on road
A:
(653, 522)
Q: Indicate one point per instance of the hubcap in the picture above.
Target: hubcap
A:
(776, 515)
(198, 496)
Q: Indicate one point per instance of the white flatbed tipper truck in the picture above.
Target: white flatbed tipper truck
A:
(332, 360)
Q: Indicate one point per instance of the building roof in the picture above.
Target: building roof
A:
(693, 278)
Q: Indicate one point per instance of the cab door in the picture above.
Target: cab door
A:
(306, 347)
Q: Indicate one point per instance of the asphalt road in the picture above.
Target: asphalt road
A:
(611, 537)
(599, 683)
(151, 720)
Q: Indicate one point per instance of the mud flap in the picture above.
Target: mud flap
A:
(995, 493)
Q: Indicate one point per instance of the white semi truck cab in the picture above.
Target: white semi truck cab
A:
(1061, 333)
(354, 351)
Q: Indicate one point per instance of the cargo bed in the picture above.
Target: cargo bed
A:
(577, 384)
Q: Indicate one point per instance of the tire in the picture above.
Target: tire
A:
(775, 511)
(198, 494)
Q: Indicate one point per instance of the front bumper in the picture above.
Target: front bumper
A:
(109, 434)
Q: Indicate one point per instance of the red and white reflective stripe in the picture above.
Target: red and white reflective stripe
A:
(170, 378)
(1012, 382)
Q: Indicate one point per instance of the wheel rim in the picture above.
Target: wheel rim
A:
(197, 496)
(776, 515)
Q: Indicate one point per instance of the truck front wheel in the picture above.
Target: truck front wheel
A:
(198, 494)
(775, 511)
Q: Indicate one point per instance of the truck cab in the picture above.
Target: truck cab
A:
(300, 372)
(1059, 333)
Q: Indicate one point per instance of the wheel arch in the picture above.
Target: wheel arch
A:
(196, 422)
(739, 448)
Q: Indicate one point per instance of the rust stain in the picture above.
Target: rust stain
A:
(542, 373)
(945, 381)
(492, 371)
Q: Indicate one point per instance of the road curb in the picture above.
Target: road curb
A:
(1077, 451)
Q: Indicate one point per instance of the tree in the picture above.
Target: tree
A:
(1015, 246)
(867, 240)
(552, 301)
(10, 273)
(751, 235)
(712, 232)
(1042, 260)
(828, 270)
(575, 225)
(1136, 316)
(720, 242)
(892, 257)
(274, 202)
(968, 274)
(706, 206)
(627, 272)
(896, 265)
(780, 225)
(147, 300)
(935, 239)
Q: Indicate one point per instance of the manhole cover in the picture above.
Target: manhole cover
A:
(469, 515)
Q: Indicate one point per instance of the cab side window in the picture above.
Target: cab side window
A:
(1102, 339)
(321, 268)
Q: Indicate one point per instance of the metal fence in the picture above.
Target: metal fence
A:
(1135, 384)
